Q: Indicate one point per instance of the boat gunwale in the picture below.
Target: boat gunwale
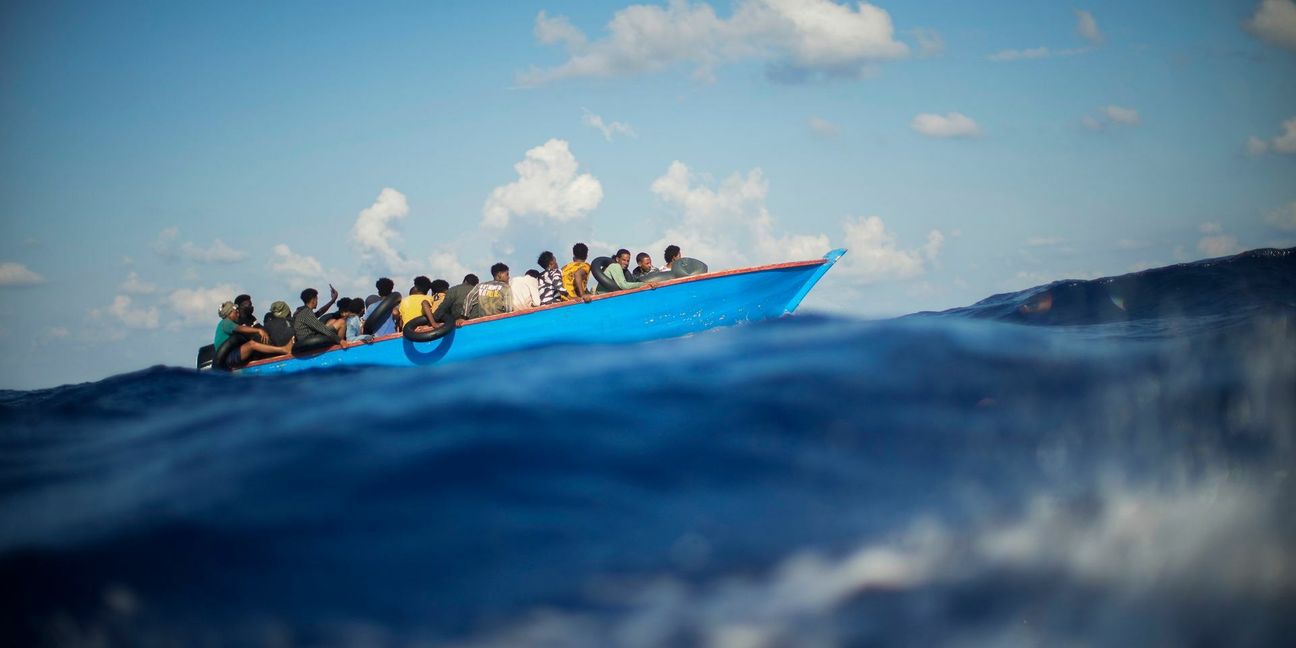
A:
(561, 304)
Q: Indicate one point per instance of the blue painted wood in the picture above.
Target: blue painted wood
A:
(674, 309)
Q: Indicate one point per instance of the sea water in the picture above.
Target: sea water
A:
(1086, 463)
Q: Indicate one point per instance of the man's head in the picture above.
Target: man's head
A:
(623, 257)
(547, 261)
(384, 286)
(580, 252)
(439, 286)
(244, 304)
(228, 311)
(534, 274)
(344, 306)
(422, 285)
(672, 253)
(310, 297)
(643, 261)
(471, 279)
(500, 272)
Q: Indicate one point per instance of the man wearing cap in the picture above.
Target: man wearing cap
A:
(257, 338)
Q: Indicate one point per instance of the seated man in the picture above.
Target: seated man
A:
(550, 281)
(643, 264)
(672, 253)
(575, 275)
(351, 310)
(385, 287)
(278, 324)
(244, 305)
(617, 271)
(492, 297)
(306, 322)
(419, 303)
(526, 290)
(257, 342)
(451, 308)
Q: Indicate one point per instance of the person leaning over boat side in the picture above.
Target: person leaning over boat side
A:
(616, 271)
(672, 253)
(492, 297)
(354, 324)
(306, 322)
(575, 275)
(643, 264)
(550, 282)
(452, 307)
(419, 303)
(526, 290)
(227, 327)
(278, 324)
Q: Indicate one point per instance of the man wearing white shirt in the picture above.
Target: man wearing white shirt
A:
(526, 290)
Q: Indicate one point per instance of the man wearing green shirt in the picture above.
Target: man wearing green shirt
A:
(617, 272)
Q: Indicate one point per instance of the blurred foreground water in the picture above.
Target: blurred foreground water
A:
(1086, 463)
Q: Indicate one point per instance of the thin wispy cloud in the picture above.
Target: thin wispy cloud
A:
(823, 128)
(17, 274)
(609, 129)
(1284, 143)
(949, 126)
(1111, 116)
(816, 37)
(1087, 27)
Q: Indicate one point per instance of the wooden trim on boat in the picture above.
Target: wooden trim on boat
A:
(528, 311)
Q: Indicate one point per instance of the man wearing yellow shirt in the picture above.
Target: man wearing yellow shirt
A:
(419, 303)
(575, 275)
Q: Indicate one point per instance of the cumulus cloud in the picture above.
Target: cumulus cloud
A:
(549, 184)
(136, 286)
(874, 255)
(199, 306)
(1284, 143)
(285, 261)
(1274, 22)
(1216, 243)
(811, 36)
(607, 128)
(1283, 218)
(125, 312)
(823, 128)
(1109, 116)
(374, 234)
(17, 274)
(728, 224)
(1087, 27)
(951, 125)
(168, 245)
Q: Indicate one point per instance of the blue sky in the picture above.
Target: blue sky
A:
(159, 158)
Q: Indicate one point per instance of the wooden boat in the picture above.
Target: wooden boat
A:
(670, 309)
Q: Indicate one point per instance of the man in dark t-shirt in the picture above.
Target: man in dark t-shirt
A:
(452, 307)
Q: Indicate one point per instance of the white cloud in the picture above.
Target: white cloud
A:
(1087, 27)
(823, 128)
(1121, 115)
(445, 264)
(728, 225)
(1283, 218)
(17, 274)
(548, 184)
(608, 129)
(374, 233)
(1092, 123)
(123, 309)
(813, 36)
(1284, 143)
(1274, 22)
(168, 245)
(1216, 243)
(136, 286)
(199, 306)
(287, 262)
(947, 126)
(874, 256)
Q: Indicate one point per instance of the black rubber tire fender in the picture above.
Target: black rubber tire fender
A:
(686, 267)
(426, 336)
(312, 343)
(656, 275)
(219, 358)
(597, 266)
(381, 314)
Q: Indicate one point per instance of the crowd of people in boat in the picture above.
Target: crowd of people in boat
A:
(428, 305)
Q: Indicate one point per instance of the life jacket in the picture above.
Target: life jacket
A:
(569, 277)
(489, 298)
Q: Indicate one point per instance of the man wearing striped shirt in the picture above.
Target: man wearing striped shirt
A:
(551, 287)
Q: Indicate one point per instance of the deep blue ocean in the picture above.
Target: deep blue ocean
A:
(1088, 463)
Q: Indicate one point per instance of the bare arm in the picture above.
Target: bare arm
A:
(255, 332)
(333, 295)
(578, 284)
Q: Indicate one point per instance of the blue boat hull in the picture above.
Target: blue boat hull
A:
(675, 308)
